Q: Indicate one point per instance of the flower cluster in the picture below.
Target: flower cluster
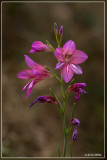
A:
(68, 57)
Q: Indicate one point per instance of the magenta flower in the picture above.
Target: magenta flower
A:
(44, 99)
(76, 123)
(38, 46)
(78, 88)
(36, 71)
(69, 59)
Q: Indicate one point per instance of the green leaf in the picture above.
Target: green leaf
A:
(50, 46)
(53, 74)
(60, 106)
(58, 151)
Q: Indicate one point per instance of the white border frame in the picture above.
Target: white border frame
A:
(100, 157)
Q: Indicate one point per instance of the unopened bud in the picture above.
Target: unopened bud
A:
(61, 31)
(56, 29)
(60, 34)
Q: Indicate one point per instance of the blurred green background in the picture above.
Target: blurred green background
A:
(38, 131)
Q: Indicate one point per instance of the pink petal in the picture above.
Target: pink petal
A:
(26, 74)
(31, 64)
(38, 46)
(78, 57)
(41, 74)
(77, 85)
(37, 43)
(32, 51)
(59, 53)
(37, 71)
(67, 73)
(60, 65)
(77, 69)
(30, 87)
(25, 86)
(70, 45)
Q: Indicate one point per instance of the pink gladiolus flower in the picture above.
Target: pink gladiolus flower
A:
(38, 46)
(69, 59)
(36, 71)
(78, 88)
(44, 99)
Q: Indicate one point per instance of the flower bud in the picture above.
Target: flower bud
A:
(44, 99)
(60, 35)
(75, 134)
(61, 32)
(56, 30)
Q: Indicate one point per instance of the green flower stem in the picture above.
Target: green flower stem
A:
(62, 90)
(70, 150)
(65, 138)
(65, 143)
(63, 118)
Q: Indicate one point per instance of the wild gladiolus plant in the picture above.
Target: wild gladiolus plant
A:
(68, 58)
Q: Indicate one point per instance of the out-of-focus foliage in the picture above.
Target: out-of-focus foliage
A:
(37, 132)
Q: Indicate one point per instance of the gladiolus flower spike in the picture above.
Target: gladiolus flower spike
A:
(68, 59)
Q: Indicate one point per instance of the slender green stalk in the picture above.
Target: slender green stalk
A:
(70, 150)
(65, 143)
(64, 124)
(62, 90)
